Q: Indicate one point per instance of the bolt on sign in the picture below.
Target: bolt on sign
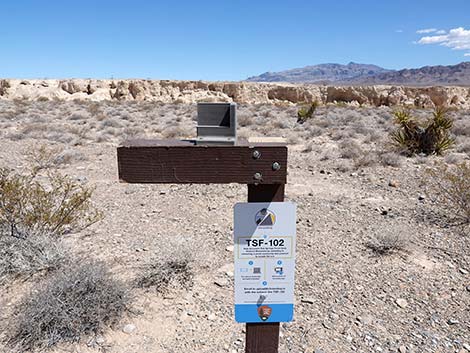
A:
(264, 235)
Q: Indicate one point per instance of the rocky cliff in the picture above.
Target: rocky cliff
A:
(241, 92)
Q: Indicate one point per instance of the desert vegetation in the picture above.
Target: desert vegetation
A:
(79, 300)
(307, 112)
(429, 137)
(449, 186)
(88, 263)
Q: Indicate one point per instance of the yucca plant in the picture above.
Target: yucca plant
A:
(429, 137)
(307, 112)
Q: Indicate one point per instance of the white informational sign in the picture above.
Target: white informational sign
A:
(264, 235)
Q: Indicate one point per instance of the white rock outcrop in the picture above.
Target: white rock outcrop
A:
(242, 92)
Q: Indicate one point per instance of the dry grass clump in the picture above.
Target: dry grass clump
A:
(387, 243)
(350, 149)
(391, 159)
(429, 137)
(176, 132)
(80, 300)
(244, 119)
(449, 186)
(172, 269)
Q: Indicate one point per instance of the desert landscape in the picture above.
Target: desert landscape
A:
(383, 256)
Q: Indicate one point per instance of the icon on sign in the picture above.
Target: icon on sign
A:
(278, 270)
(250, 262)
(264, 312)
(243, 270)
(265, 217)
(279, 262)
(256, 270)
(265, 283)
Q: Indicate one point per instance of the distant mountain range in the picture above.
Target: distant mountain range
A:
(365, 74)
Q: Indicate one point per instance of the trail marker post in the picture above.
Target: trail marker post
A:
(214, 157)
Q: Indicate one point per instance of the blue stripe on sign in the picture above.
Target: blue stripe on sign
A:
(249, 313)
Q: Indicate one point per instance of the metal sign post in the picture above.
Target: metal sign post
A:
(264, 251)
(262, 166)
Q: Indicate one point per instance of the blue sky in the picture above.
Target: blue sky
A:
(224, 39)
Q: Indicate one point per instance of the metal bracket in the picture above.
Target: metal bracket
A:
(216, 124)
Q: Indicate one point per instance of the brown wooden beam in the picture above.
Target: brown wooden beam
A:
(263, 337)
(154, 161)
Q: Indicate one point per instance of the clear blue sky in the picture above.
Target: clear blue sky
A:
(224, 39)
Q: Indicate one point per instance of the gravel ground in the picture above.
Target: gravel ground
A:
(351, 191)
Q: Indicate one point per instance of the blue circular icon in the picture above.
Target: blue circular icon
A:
(265, 236)
(279, 262)
(265, 283)
(250, 262)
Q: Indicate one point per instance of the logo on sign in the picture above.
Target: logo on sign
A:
(264, 312)
(265, 218)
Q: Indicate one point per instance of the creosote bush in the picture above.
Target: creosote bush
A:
(307, 112)
(428, 137)
(78, 301)
(52, 206)
(35, 210)
(449, 186)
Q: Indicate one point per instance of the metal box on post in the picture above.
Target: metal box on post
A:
(216, 124)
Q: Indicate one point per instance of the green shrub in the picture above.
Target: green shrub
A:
(449, 186)
(35, 209)
(307, 112)
(52, 207)
(80, 300)
(429, 137)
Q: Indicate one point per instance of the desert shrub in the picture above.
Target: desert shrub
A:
(449, 186)
(462, 128)
(465, 148)
(175, 132)
(307, 112)
(24, 257)
(386, 243)
(4, 85)
(453, 158)
(391, 159)
(80, 300)
(428, 137)
(367, 159)
(350, 149)
(43, 157)
(343, 133)
(53, 207)
(173, 270)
